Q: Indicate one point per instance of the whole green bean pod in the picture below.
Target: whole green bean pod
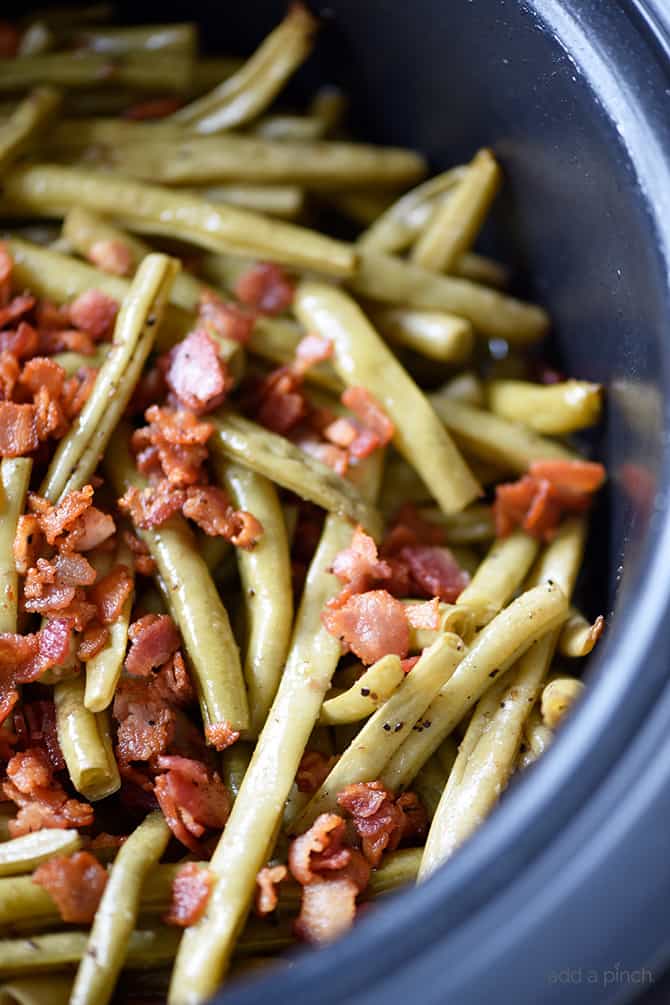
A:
(143, 38)
(80, 450)
(554, 409)
(86, 742)
(165, 71)
(26, 124)
(434, 334)
(579, 636)
(193, 601)
(374, 687)
(25, 853)
(361, 358)
(14, 479)
(117, 913)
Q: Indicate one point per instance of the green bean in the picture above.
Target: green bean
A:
(72, 362)
(480, 269)
(265, 572)
(456, 223)
(558, 697)
(361, 358)
(25, 853)
(388, 278)
(208, 71)
(147, 39)
(276, 340)
(193, 600)
(465, 387)
(85, 739)
(117, 913)
(382, 735)
(295, 128)
(398, 869)
(80, 450)
(26, 124)
(531, 616)
(278, 459)
(372, 689)
(537, 736)
(361, 207)
(434, 334)
(431, 779)
(14, 481)
(36, 991)
(556, 409)
(234, 763)
(494, 439)
(250, 90)
(83, 230)
(60, 950)
(329, 106)
(473, 526)
(156, 210)
(165, 71)
(579, 636)
(499, 575)
(287, 201)
(104, 669)
(246, 841)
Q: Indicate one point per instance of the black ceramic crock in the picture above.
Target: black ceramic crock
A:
(563, 894)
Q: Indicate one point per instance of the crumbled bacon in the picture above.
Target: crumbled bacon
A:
(311, 349)
(9, 375)
(379, 819)
(42, 372)
(313, 770)
(193, 799)
(94, 313)
(538, 500)
(52, 316)
(42, 801)
(366, 408)
(77, 390)
(196, 374)
(76, 883)
(144, 563)
(221, 735)
(65, 340)
(210, 508)
(370, 625)
(267, 881)
(280, 401)
(15, 309)
(408, 529)
(153, 108)
(153, 640)
(54, 587)
(146, 728)
(179, 439)
(191, 888)
(434, 572)
(93, 641)
(425, 615)
(152, 506)
(112, 255)
(358, 566)
(265, 287)
(110, 593)
(330, 455)
(225, 318)
(320, 849)
(328, 908)
(36, 724)
(22, 343)
(23, 658)
(18, 429)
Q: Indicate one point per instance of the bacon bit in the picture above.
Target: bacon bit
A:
(76, 883)
(435, 572)
(313, 770)
(51, 316)
(28, 542)
(210, 508)
(51, 587)
(144, 563)
(265, 287)
(226, 319)
(42, 372)
(23, 658)
(537, 502)
(221, 735)
(58, 521)
(92, 642)
(570, 477)
(370, 624)
(77, 390)
(267, 881)
(22, 343)
(65, 340)
(94, 312)
(192, 798)
(425, 615)
(327, 910)
(15, 309)
(153, 108)
(366, 408)
(409, 528)
(416, 818)
(191, 889)
(9, 47)
(146, 728)
(42, 801)
(179, 441)
(320, 849)
(9, 375)
(408, 664)
(380, 820)
(18, 430)
(111, 592)
(281, 404)
(152, 506)
(311, 349)
(30, 771)
(327, 453)
(38, 729)
(342, 432)
(196, 374)
(113, 256)
(358, 566)
(154, 638)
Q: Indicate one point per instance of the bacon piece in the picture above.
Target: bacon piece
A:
(145, 732)
(265, 287)
(49, 418)
(154, 638)
(435, 572)
(22, 343)
(111, 592)
(210, 508)
(92, 642)
(52, 316)
(196, 375)
(226, 319)
(9, 47)
(267, 881)
(370, 624)
(144, 563)
(38, 720)
(193, 799)
(221, 735)
(311, 349)
(77, 390)
(6, 261)
(366, 408)
(57, 521)
(180, 440)
(42, 372)
(409, 528)
(313, 769)
(15, 309)
(342, 432)
(76, 883)
(327, 909)
(358, 566)
(30, 771)
(52, 586)
(23, 658)
(281, 404)
(153, 108)
(65, 340)
(538, 500)
(320, 849)
(9, 375)
(18, 429)
(152, 506)
(380, 820)
(569, 477)
(42, 801)
(191, 888)
(327, 453)
(94, 313)
(111, 255)
(426, 615)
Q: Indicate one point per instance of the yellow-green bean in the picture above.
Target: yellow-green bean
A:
(234, 763)
(86, 742)
(117, 913)
(361, 358)
(14, 480)
(558, 697)
(372, 689)
(25, 853)
(80, 450)
(104, 669)
(399, 868)
(500, 574)
(265, 572)
(165, 71)
(52, 990)
(579, 636)
(555, 409)
(26, 124)
(287, 201)
(147, 39)
(74, 361)
(296, 128)
(435, 334)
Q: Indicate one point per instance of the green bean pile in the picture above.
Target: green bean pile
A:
(132, 166)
